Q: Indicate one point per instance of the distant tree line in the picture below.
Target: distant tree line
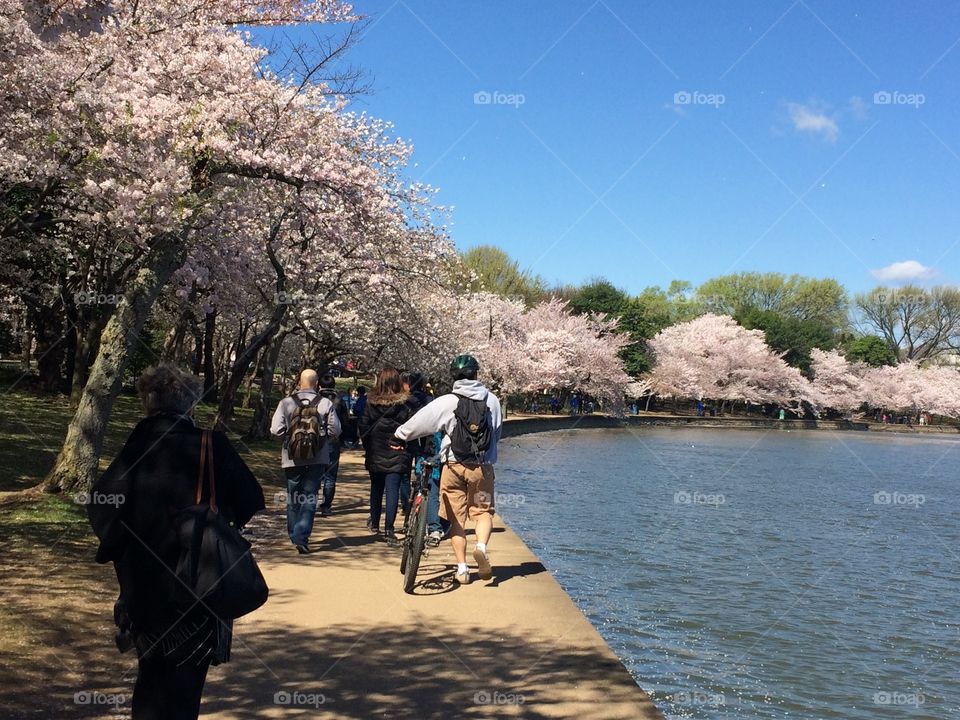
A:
(796, 313)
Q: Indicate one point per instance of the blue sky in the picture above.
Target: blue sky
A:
(647, 141)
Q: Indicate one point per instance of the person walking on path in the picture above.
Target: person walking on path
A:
(437, 527)
(309, 427)
(328, 391)
(471, 422)
(359, 406)
(387, 407)
(133, 509)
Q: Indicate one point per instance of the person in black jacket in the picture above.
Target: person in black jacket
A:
(132, 509)
(328, 389)
(387, 408)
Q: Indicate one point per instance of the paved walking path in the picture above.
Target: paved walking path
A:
(340, 639)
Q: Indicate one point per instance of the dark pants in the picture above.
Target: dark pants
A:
(330, 477)
(165, 691)
(435, 523)
(303, 483)
(389, 482)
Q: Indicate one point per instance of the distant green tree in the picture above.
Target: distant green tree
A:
(872, 350)
(822, 300)
(601, 297)
(643, 316)
(795, 337)
(498, 273)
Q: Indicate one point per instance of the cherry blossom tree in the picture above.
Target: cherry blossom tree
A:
(712, 357)
(909, 387)
(152, 130)
(836, 383)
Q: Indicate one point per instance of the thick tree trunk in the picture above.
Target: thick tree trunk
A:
(197, 358)
(86, 351)
(245, 357)
(260, 425)
(26, 344)
(174, 341)
(77, 463)
(50, 350)
(209, 368)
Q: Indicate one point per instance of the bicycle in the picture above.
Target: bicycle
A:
(415, 524)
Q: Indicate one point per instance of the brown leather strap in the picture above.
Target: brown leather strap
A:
(206, 469)
(203, 464)
(213, 485)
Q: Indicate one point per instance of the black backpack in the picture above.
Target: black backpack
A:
(339, 407)
(471, 435)
(308, 430)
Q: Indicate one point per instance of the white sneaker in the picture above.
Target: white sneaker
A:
(483, 564)
(463, 578)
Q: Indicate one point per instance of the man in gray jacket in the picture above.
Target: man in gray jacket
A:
(466, 488)
(304, 475)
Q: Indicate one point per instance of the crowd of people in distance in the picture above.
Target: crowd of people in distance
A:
(169, 467)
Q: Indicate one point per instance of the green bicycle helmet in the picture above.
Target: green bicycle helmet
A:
(463, 366)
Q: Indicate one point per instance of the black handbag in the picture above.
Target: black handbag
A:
(216, 568)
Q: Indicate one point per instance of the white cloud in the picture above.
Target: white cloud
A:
(904, 271)
(807, 119)
(859, 108)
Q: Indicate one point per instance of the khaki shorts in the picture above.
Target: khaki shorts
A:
(466, 491)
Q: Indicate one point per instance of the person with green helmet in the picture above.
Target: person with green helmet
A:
(471, 420)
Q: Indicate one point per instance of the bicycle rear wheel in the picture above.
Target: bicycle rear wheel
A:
(407, 525)
(414, 547)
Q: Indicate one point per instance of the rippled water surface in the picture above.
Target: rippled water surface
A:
(743, 574)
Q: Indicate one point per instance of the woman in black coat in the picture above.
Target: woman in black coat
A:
(388, 407)
(133, 509)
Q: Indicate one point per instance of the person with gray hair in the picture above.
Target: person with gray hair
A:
(133, 509)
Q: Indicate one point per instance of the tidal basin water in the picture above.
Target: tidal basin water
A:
(755, 574)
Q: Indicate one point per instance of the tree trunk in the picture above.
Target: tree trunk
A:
(86, 351)
(197, 356)
(50, 347)
(260, 425)
(173, 344)
(245, 356)
(78, 461)
(26, 344)
(209, 370)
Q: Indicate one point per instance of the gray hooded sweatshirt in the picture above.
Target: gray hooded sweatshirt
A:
(284, 415)
(438, 415)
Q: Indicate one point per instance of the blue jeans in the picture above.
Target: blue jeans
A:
(330, 477)
(390, 482)
(303, 483)
(434, 522)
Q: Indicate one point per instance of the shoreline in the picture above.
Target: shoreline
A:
(521, 424)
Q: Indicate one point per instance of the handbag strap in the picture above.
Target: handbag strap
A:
(206, 464)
